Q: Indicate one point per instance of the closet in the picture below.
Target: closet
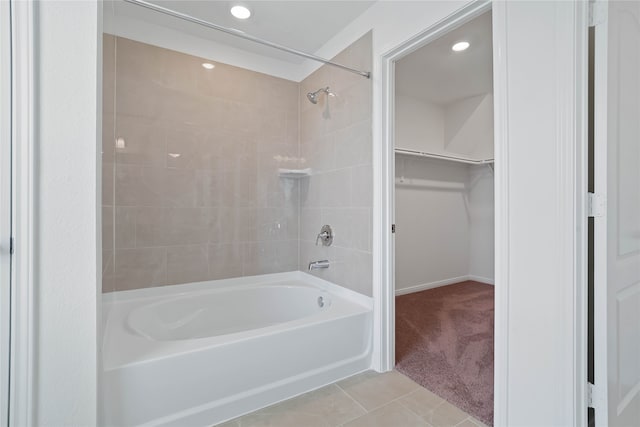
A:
(444, 216)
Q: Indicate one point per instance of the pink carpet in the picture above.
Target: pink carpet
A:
(444, 342)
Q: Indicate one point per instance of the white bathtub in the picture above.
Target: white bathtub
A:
(202, 353)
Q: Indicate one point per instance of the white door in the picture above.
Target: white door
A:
(5, 206)
(617, 231)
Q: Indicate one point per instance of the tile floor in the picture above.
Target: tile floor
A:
(368, 399)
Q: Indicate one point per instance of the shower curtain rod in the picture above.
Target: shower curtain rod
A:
(243, 35)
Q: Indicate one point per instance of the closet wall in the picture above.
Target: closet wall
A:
(444, 210)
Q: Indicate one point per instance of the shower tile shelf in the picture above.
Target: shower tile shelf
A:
(294, 173)
(444, 157)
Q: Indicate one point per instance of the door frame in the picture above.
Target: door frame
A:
(384, 303)
(5, 208)
(384, 295)
(24, 167)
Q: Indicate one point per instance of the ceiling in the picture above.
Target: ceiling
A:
(436, 74)
(303, 25)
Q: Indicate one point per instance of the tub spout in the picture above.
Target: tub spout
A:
(313, 265)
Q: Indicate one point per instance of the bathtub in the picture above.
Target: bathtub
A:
(202, 353)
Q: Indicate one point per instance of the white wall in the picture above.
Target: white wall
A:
(463, 128)
(66, 276)
(444, 223)
(540, 216)
(468, 127)
(419, 125)
(432, 223)
(481, 223)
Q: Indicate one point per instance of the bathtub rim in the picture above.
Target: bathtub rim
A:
(345, 303)
(132, 295)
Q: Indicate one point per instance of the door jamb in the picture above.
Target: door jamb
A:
(24, 186)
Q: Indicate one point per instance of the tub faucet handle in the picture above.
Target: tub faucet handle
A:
(325, 235)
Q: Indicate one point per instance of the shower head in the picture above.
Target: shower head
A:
(313, 96)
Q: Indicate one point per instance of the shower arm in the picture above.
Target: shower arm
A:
(243, 35)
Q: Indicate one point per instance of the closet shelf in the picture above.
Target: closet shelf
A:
(444, 157)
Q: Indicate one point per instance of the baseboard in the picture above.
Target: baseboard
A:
(481, 279)
(431, 285)
(445, 282)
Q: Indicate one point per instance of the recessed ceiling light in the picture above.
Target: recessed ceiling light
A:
(240, 12)
(460, 46)
(208, 66)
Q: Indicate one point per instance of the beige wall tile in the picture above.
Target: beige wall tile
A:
(319, 153)
(351, 227)
(108, 73)
(310, 223)
(185, 147)
(139, 268)
(108, 138)
(107, 271)
(232, 225)
(136, 97)
(353, 145)
(171, 226)
(240, 188)
(339, 125)
(335, 187)
(361, 179)
(187, 264)
(189, 174)
(209, 188)
(228, 82)
(144, 141)
(225, 260)
(276, 224)
(180, 188)
(139, 185)
(125, 227)
(270, 257)
(107, 228)
(108, 183)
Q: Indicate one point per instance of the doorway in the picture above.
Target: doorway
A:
(444, 215)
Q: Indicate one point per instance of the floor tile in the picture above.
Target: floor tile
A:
(422, 402)
(477, 422)
(329, 406)
(390, 415)
(373, 390)
(468, 423)
(446, 415)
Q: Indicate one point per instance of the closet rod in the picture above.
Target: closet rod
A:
(444, 157)
(243, 35)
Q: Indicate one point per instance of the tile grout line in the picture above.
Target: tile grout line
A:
(418, 415)
(354, 399)
(384, 404)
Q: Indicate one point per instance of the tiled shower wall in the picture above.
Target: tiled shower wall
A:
(191, 189)
(336, 142)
